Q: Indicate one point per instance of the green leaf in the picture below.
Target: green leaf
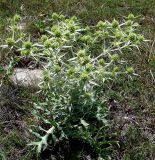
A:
(84, 123)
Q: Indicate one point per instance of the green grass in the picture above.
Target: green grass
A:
(88, 11)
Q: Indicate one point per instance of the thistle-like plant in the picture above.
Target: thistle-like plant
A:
(80, 64)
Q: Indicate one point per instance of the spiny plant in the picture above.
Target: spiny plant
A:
(9, 55)
(80, 64)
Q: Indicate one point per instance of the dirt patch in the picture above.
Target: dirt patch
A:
(14, 134)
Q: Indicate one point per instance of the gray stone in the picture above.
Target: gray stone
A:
(26, 77)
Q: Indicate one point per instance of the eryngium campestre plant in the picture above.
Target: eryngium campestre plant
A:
(80, 64)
